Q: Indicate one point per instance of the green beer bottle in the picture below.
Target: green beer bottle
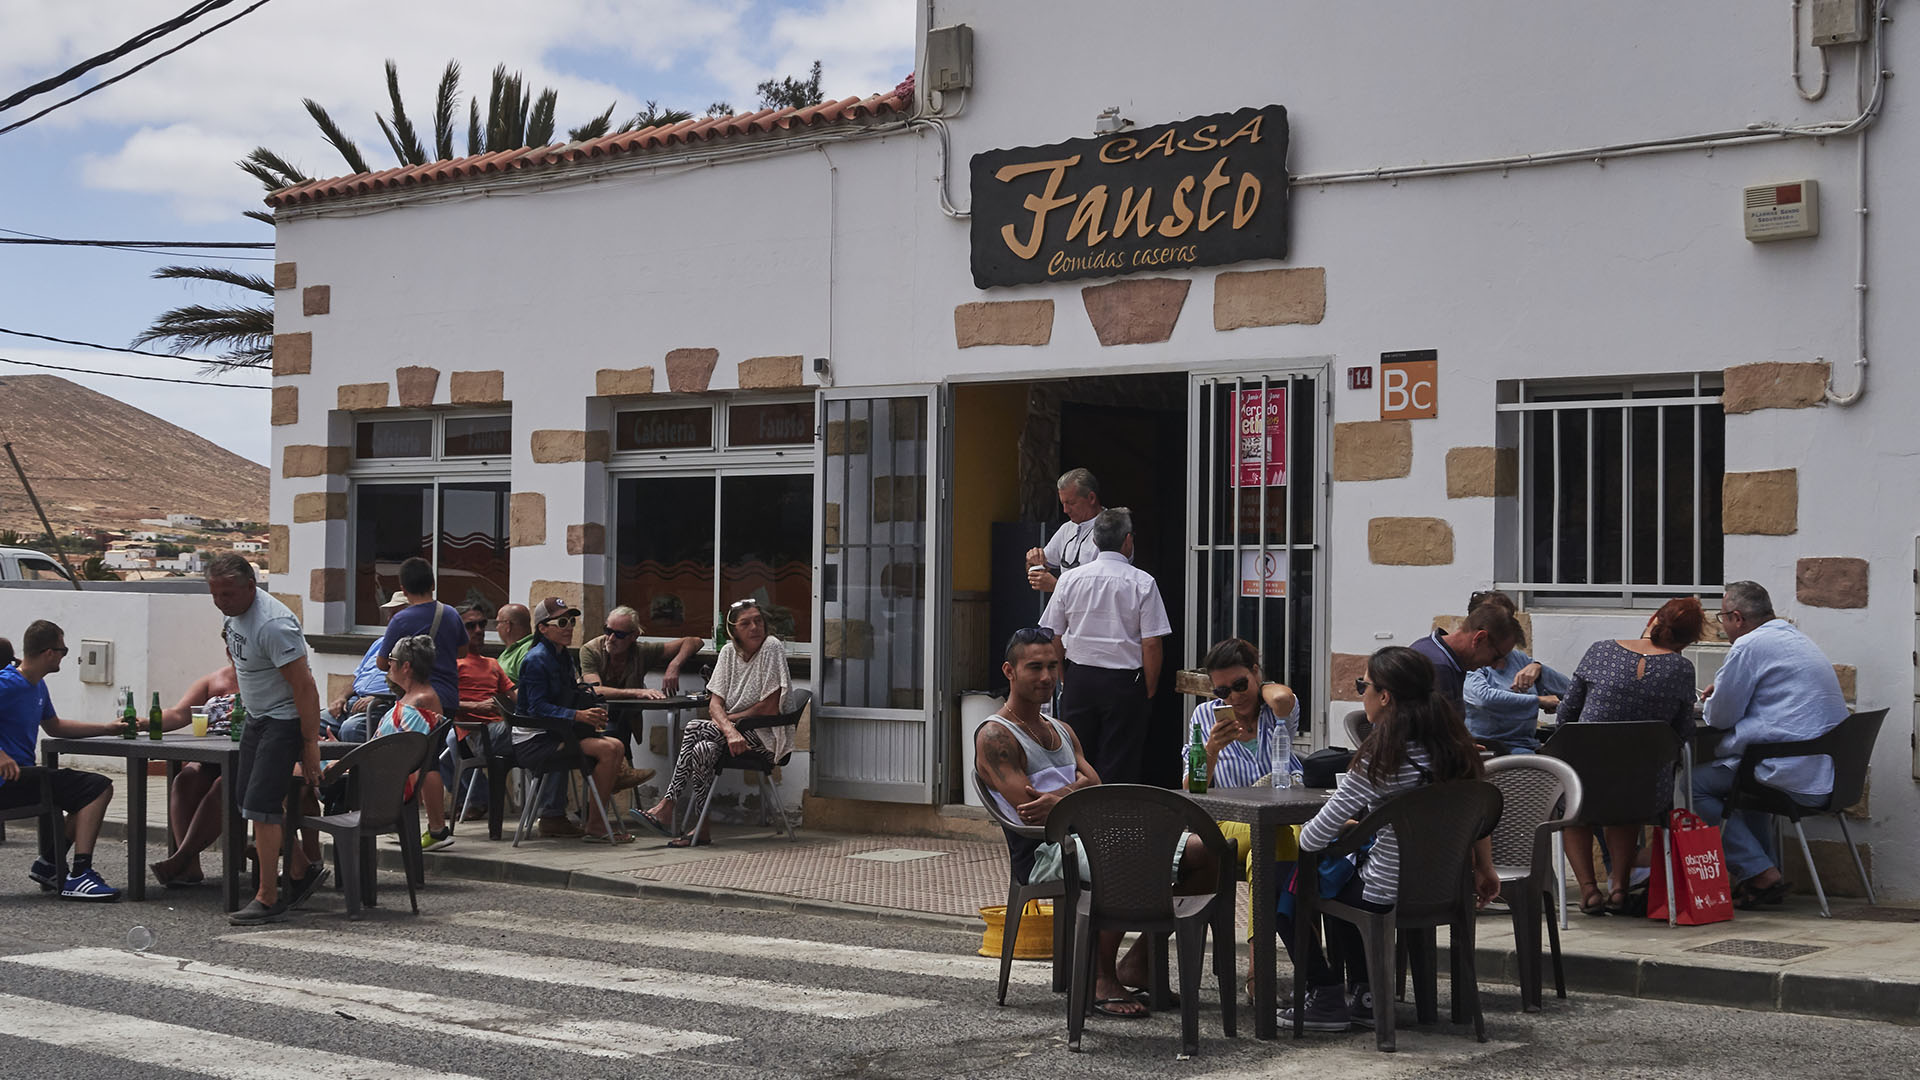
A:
(127, 717)
(153, 718)
(1197, 763)
(236, 719)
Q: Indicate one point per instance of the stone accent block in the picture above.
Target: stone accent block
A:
(1292, 296)
(417, 385)
(527, 519)
(1760, 503)
(1751, 387)
(1003, 322)
(689, 371)
(286, 275)
(556, 445)
(590, 599)
(1372, 449)
(1831, 583)
(1482, 472)
(1409, 541)
(360, 397)
(771, 372)
(316, 300)
(622, 382)
(477, 387)
(296, 461)
(587, 539)
(1342, 669)
(1137, 312)
(328, 585)
(319, 506)
(899, 498)
(830, 523)
(846, 437)
(338, 686)
(277, 554)
(1849, 677)
(294, 604)
(293, 354)
(1830, 857)
(849, 639)
(1192, 682)
(286, 406)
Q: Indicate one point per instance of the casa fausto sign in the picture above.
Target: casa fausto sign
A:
(1201, 192)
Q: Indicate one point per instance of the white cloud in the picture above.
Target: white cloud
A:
(197, 166)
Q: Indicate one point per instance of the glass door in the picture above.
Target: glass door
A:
(880, 573)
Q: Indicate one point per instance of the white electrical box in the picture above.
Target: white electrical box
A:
(950, 57)
(96, 662)
(1785, 211)
(1840, 22)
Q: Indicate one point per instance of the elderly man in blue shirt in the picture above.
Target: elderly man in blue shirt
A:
(1776, 686)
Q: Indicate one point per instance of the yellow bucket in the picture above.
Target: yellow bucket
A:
(1035, 940)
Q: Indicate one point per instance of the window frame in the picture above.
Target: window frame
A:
(435, 470)
(1515, 399)
(717, 463)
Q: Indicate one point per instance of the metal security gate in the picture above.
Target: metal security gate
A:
(1256, 523)
(880, 573)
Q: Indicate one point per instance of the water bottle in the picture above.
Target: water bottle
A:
(1280, 759)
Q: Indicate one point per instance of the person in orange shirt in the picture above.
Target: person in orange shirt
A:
(481, 678)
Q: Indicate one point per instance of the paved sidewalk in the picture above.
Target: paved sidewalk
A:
(1864, 962)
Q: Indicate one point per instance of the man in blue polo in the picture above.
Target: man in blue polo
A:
(1489, 633)
(83, 796)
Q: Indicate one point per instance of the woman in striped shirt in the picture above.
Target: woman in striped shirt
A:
(1417, 739)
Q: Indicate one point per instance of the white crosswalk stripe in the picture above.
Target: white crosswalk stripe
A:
(191, 1050)
(754, 994)
(863, 957)
(483, 1021)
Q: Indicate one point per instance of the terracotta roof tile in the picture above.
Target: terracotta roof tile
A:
(896, 102)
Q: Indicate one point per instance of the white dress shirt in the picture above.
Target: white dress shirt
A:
(1072, 545)
(1103, 609)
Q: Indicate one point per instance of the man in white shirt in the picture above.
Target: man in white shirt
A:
(1072, 543)
(1109, 615)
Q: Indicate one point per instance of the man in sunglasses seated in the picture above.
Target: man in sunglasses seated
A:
(617, 662)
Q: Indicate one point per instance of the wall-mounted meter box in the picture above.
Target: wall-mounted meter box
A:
(950, 57)
(1788, 211)
(96, 662)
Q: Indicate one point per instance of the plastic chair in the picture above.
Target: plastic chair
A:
(1626, 775)
(1850, 745)
(1532, 788)
(1019, 894)
(379, 770)
(769, 794)
(1129, 833)
(1436, 827)
(467, 759)
(41, 809)
(567, 758)
(1358, 727)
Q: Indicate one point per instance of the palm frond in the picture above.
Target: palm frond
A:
(335, 136)
(221, 274)
(446, 102)
(392, 142)
(271, 169)
(243, 334)
(540, 121)
(405, 140)
(474, 143)
(654, 116)
(593, 128)
(259, 215)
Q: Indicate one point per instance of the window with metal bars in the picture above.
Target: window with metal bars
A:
(1617, 494)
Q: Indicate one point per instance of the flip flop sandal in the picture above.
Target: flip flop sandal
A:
(652, 822)
(1145, 997)
(1103, 1007)
(688, 841)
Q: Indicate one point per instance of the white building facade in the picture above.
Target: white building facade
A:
(1499, 310)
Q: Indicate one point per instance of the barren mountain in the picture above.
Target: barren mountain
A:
(102, 463)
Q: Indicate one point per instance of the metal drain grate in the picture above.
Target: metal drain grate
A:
(1758, 950)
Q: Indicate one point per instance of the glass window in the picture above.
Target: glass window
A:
(788, 424)
(664, 566)
(392, 523)
(766, 549)
(40, 570)
(470, 562)
(664, 429)
(478, 436)
(393, 439)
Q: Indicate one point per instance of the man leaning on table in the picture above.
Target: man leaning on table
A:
(83, 796)
(282, 727)
(1775, 686)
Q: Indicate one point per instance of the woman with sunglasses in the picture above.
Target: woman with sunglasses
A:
(749, 679)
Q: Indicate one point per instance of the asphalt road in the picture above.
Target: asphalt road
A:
(511, 982)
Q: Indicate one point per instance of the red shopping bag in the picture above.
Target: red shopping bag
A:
(1701, 889)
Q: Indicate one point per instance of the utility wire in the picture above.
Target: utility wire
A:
(53, 242)
(139, 40)
(103, 84)
(129, 375)
(118, 246)
(136, 352)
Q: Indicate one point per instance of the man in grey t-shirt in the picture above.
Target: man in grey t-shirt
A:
(283, 726)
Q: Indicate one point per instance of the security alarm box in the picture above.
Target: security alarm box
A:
(1786, 211)
(96, 661)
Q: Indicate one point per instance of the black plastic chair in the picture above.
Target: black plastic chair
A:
(1358, 727)
(566, 758)
(480, 757)
(1850, 745)
(1626, 775)
(1018, 895)
(377, 771)
(1436, 827)
(41, 809)
(797, 702)
(1534, 789)
(1129, 833)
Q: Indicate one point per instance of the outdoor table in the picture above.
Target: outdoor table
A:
(1263, 810)
(676, 704)
(173, 749)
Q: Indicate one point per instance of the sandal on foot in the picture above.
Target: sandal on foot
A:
(1145, 997)
(651, 822)
(688, 841)
(1104, 1006)
(1596, 906)
(1617, 902)
(166, 882)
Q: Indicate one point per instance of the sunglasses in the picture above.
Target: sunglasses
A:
(472, 626)
(1033, 635)
(620, 635)
(563, 622)
(1237, 686)
(1360, 686)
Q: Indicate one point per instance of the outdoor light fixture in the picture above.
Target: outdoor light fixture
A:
(823, 370)
(1110, 121)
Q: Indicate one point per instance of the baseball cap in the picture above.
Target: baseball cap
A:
(552, 608)
(398, 601)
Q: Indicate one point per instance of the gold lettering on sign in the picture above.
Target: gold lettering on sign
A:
(1251, 130)
(1087, 215)
(1136, 212)
(1182, 218)
(1120, 147)
(1203, 136)
(1215, 179)
(1246, 199)
(1165, 144)
(1039, 205)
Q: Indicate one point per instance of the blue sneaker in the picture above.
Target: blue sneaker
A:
(89, 886)
(47, 875)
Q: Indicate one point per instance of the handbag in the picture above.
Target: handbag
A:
(1698, 866)
(1318, 769)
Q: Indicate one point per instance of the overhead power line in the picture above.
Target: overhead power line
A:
(104, 83)
(140, 40)
(120, 349)
(130, 375)
(120, 246)
(49, 241)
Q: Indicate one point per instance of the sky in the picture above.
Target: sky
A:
(151, 158)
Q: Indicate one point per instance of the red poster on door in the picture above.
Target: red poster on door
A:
(1260, 435)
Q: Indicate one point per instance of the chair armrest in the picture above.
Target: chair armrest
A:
(1755, 753)
(802, 699)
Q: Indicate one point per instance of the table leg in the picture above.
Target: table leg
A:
(1263, 884)
(52, 841)
(233, 838)
(136, 828)
(1686, 773)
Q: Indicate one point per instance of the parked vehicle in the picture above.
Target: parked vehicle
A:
(26, 564)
